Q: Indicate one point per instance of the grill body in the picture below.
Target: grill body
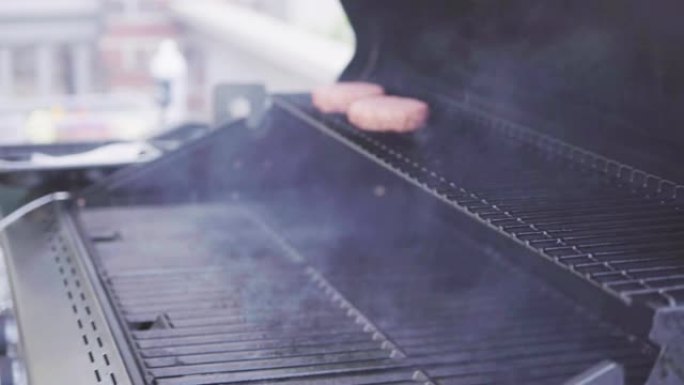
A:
(408, 262)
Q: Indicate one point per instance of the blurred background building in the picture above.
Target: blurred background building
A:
(48, 47)
(80, 70)
(132, 31)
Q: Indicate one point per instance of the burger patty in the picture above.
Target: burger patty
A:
(388, 113)
(336, 98)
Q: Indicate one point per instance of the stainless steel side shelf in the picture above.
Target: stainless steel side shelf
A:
(62, 326)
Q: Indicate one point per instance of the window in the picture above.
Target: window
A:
(25, 68)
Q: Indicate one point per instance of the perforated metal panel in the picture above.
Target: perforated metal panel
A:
(64, 334)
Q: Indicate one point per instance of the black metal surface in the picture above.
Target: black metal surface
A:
(622, 235)
(217, 297)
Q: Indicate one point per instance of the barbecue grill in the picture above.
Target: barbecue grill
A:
(530, 234)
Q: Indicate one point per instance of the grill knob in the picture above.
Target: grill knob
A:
(12, 372)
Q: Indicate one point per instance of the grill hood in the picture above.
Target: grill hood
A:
(605, 75)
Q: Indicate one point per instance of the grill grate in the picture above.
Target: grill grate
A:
(616, 227)
(227, 307)
(212, 298)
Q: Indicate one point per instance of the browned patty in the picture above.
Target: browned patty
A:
(336, 98)
(389, 113)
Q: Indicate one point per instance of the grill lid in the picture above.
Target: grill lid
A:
(587, 72)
